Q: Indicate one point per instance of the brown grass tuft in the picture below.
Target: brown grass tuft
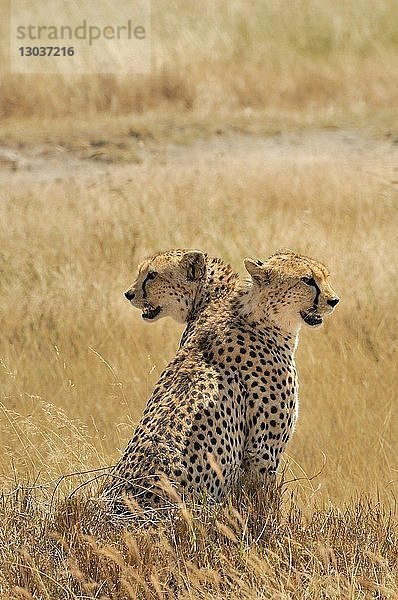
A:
(75, 552)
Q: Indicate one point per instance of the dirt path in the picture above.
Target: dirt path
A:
(45, 163)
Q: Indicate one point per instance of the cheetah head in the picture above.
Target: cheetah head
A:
(291, 289)
(167, 284)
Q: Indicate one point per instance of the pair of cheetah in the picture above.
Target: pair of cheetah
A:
(227, 404)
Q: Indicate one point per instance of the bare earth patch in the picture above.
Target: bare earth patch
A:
(372, 155)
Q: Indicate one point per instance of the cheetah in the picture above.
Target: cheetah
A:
(228, 402)
(180, 284)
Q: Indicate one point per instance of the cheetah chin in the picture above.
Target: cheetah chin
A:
(150, 313)
(313, 319)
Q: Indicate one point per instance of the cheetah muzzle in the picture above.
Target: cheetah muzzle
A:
(150, 313)
(311, 318)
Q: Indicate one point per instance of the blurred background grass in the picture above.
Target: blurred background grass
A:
(305, 56)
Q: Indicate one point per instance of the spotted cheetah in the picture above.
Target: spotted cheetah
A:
(228, 402)
(180, 284)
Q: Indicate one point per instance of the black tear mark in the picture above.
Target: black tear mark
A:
(147, 278)
(317, 294)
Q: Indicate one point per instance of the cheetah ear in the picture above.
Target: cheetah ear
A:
(194, 262)
(258, 271)
(284, 251)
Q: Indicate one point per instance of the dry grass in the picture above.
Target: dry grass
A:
(307, 56)
(263, 551)
(77, 365)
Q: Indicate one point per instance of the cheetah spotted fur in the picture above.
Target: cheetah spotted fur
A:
(228, 402)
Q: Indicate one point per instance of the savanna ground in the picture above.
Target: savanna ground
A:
(261, 125)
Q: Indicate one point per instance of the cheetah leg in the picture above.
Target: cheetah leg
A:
(260, 471)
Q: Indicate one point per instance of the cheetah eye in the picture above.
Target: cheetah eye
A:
(151, 275)
(308, 280)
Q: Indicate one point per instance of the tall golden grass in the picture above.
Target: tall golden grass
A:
(71, 343)
(260, 551)
(77, 364)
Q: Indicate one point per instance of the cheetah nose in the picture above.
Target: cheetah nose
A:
(129, 295)
(333, 301)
